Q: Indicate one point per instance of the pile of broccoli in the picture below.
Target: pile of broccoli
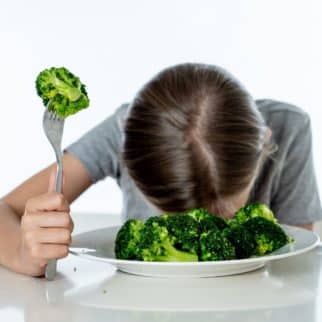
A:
(197, 235)
(61, 91)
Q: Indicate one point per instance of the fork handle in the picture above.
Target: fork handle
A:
(51, 267)
(59, 175)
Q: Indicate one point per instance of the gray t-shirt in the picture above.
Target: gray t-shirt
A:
(286, 183)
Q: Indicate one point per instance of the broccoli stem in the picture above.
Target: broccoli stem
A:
(174, 255)
(64, 89)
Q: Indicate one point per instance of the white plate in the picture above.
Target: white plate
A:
(99, 245)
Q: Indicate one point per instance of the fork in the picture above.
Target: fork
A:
(53, 127)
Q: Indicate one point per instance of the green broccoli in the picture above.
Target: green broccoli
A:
(252, 210)
(268, 235)
(158, 245)
(206, 220)
(128, 238)
(215, 246)
(242, 239)
(61, 91)
(199, 235)
(160, 220)
(185, 231)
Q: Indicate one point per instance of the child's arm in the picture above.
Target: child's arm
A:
(35, 225)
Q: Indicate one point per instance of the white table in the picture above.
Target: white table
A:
(286, 290)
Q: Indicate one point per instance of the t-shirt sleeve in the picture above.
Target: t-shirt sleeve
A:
(99, 149)
(297, 198)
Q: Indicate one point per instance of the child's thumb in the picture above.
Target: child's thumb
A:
(52, 180)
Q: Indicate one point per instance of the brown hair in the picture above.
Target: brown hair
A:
(193, 137)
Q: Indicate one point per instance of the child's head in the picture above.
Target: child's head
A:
(194, 138)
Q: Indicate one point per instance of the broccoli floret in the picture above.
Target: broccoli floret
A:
(158, 245)
(185, 231)
(252, 210)
(199, 235)
(128, 239)
(215, 246)
(257, 209)
(268, 235)
(197, 213)
(61, 91)
(206, 220)
(242, 239)
(160, 220)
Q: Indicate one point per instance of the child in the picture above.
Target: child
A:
(192, 137)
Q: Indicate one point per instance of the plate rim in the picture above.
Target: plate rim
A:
(265, 258)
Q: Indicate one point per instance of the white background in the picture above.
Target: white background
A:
(273, 47)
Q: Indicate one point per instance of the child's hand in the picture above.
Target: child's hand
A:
(46, 228)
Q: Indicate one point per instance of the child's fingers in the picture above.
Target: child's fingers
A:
(48, 219)
(53, 236)
(48, 251)
(47, 202)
